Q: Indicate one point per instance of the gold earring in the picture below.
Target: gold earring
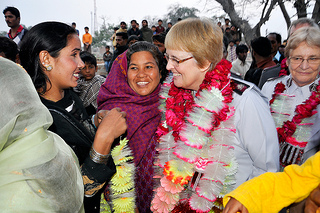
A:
(48, 67)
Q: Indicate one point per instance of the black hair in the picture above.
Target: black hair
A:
(9, 48)
(107, 46)
(157, 55)
(145, 21)
(49, 36)
(123, 23)
(123, 35)
(87, 57)
(153, 26)
(86, 28)
(74, 23)
(170, 23)
(132, 37)
(116, 28)
(161, 37)
(261, 46)
(12, 10)
(278, 37)
(159, 20)
(133, 21)
(242, 48)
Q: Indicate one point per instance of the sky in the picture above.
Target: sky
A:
(81, 12)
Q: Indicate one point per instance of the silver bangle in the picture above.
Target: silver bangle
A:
(97, 157)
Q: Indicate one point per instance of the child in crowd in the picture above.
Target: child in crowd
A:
(232, 56)
(270, 192)
(89, 83)
(153, 28)
(107, 56)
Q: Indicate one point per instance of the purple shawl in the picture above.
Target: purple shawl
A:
(143, 115)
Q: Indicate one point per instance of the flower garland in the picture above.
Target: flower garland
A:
(196, 159)
(284, 67)
(122, 183)
(288, 143)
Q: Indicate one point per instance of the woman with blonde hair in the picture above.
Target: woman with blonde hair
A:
(216, 131)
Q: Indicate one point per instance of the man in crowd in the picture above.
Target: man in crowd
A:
(87, 40)
(240, 66)
(134, 30)
(146, 32)
(74, 25)
(261, 53)
(123, 27)
(160, 28)
(275, 39)
(12, 17)
(121, 39)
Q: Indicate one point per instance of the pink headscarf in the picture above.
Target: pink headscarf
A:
(143, 115)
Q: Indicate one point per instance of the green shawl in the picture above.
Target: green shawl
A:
(38, 170)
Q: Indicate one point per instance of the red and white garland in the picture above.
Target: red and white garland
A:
(196, 160)
(292, 148)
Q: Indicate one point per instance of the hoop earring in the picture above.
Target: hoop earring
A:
(48, 67)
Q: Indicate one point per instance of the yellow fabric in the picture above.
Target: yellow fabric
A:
(270, 192)
(87, 38)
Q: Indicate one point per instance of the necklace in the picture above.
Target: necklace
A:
(196, 159)
(292, 149)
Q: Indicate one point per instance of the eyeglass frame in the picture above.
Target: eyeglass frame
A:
(175, 60)
(307, 59)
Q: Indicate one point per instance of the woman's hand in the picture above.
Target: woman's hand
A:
(113, 125)
(99, 116)
(234, 206)
(313, 201)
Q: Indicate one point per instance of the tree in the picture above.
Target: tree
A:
(250, 32)
(101, 37)
(176, 11)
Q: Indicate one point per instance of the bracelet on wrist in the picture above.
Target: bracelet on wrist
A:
(97, 157)
(92, 120)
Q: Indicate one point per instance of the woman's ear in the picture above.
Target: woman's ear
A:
(206, 67)
(45, 59)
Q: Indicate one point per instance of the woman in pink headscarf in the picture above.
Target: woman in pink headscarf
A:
(133, 85)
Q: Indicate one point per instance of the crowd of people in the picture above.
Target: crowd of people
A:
(182, 122)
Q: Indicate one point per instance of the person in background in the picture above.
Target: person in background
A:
(232, 56)
(154, 30)
(226, 24)
(281, 49)
(193, 142)
(122, 40)
(169, 27)
(113, 37)
(158, 40)
(132, 39)
(12, 18)
(134, 86)
(261, 53)
(107, 57)
(146, 31)
(275, 40)
(9, 49)
(50, 53)
(240, 66)
(134, 30)
(74, 26)
(87, 40)
(160, 28)
(38, 170)
(123, 27)
(301, 22)
(89, 83)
